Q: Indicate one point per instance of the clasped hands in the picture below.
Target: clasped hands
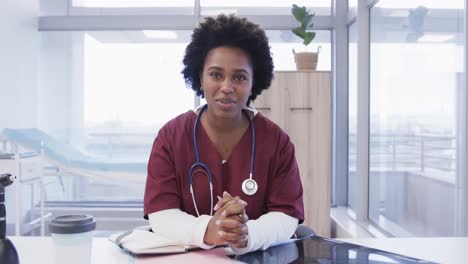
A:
(228, 224)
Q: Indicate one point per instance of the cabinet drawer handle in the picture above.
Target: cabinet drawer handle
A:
(300, 108)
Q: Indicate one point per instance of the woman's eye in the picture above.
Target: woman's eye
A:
(215, 75)
(240, 78)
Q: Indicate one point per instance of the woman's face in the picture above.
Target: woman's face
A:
(227, 81)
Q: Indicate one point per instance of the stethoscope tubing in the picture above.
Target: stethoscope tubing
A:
(198, 163)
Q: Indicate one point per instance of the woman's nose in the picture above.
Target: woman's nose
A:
(227, 86)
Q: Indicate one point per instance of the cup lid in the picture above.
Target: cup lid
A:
(72, 224)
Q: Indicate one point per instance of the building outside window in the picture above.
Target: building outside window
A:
(416, 78)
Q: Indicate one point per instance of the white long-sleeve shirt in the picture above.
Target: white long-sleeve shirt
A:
(269, 229)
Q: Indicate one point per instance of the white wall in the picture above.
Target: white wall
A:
(19, 58)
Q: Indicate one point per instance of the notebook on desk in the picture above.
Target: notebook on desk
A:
(143, 242)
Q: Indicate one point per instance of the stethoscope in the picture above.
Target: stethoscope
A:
(249, 186)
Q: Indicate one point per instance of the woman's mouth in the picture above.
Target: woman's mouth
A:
(226, 101)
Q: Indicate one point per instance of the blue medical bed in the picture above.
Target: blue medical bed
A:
(69, 158)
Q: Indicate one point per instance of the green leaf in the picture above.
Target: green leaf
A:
(304, 17)
(299, 12)
(299, 32)
(308, 37)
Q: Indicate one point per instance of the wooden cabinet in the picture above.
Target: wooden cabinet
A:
(300, 103)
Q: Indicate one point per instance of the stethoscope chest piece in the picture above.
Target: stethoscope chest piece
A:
(249, 187)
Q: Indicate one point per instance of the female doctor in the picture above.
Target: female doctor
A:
(224, 173)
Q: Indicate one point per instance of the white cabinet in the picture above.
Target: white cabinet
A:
(26, 192)
(300, 103)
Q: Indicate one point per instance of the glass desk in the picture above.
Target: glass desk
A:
(439, 250)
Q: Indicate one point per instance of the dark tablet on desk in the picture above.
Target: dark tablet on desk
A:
(321, 250)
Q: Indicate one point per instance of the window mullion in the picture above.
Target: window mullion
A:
(362, 169)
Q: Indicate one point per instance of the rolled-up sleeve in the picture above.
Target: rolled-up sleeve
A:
(180, 226)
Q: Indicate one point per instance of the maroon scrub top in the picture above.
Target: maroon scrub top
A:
(275, 170)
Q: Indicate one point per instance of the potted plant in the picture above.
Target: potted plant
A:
(304, 60)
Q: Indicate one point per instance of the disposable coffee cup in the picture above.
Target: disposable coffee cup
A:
(72, 237)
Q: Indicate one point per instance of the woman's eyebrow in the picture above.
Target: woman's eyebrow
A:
(241, 70)
(215, 68)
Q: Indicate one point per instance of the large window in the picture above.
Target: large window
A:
(136, 76)
(107, 93)
(415, 82)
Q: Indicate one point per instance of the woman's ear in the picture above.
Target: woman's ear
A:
(201, 77)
